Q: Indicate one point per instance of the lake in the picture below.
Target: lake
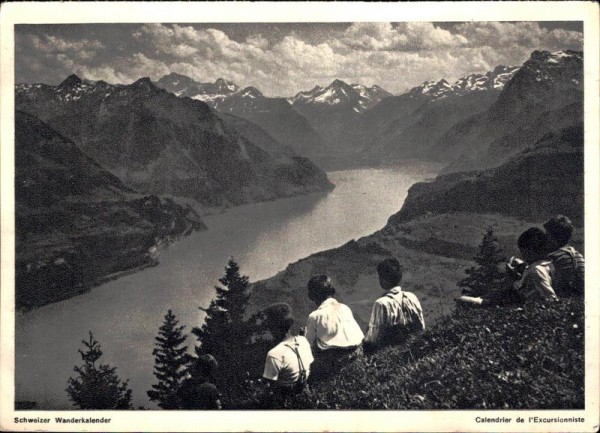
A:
(263, 238)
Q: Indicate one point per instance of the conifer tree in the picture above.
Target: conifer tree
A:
(170, 360)
(225, 333)
(486, 276)
(98, 386)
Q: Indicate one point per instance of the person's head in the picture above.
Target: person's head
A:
(390, 273)
(320, 288)
(559, 230)
(533, 244)
(204, 366)
(278, 319)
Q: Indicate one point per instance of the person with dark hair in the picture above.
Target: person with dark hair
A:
(568, 262)
(331, 330)
(198, 390)
(288, 363)
(536, 283)
(397, 314)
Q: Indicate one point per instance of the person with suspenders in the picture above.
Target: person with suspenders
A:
(568, 262)
(287, 366)
(397, 314)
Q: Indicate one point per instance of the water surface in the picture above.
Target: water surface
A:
(263, 238)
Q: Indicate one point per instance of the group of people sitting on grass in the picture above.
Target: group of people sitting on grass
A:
(550, 268)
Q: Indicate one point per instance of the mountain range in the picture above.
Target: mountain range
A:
(274, 115)
(546, 94)
(409, 125)
(158, 143)
(512, 140)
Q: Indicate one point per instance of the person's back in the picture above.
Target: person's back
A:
(331, 329)
(570, 271)
(332, 324)
(287, 365)
(395, 317)
(569, 263)
(397, 314)
(289, 362)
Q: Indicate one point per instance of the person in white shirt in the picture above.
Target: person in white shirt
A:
(287, 365)
(397, 314)
(331, 330)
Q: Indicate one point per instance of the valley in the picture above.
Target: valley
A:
(331, 180)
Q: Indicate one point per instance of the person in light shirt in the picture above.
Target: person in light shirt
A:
(287, 366)
(536, 283)
(397, 314)
(331, 330)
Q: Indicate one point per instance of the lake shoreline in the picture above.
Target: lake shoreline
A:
(264, 238)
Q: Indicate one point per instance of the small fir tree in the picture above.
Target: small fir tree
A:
(98, 386)
(486, 276)
(170, 360)
(225, 333)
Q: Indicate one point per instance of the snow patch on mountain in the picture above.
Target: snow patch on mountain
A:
(338, 93)
(437, 90)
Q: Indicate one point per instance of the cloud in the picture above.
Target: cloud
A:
(395, 56)
(522, 34)
(411, 36)
(53, 45)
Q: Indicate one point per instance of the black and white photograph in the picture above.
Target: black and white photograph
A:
(300, 212)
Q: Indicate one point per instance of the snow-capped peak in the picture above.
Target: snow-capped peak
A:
(340, 93)
(250, 92)
(226, 86)
(436, 90)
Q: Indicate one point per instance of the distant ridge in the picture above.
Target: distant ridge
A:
(158, 143)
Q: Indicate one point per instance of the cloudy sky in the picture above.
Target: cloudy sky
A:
(282, 59)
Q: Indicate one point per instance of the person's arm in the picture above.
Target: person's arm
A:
(311, 331)
(377, 316)
(540, 279)
(272, 369)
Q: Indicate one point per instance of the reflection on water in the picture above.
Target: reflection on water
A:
(125, 314)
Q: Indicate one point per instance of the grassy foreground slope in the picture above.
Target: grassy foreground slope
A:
(499, 358)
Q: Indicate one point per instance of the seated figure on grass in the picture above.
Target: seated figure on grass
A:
(530, 279)
(331, 330)
(397, 314)
(568, 262)
(287, 366)
(198, 390)
(536, 281)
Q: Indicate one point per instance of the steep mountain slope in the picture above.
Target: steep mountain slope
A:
(331, 109)
(542, 181)
(546, 94)
(76, 224)
(156, 142)
(274, 115)
(407, 126)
